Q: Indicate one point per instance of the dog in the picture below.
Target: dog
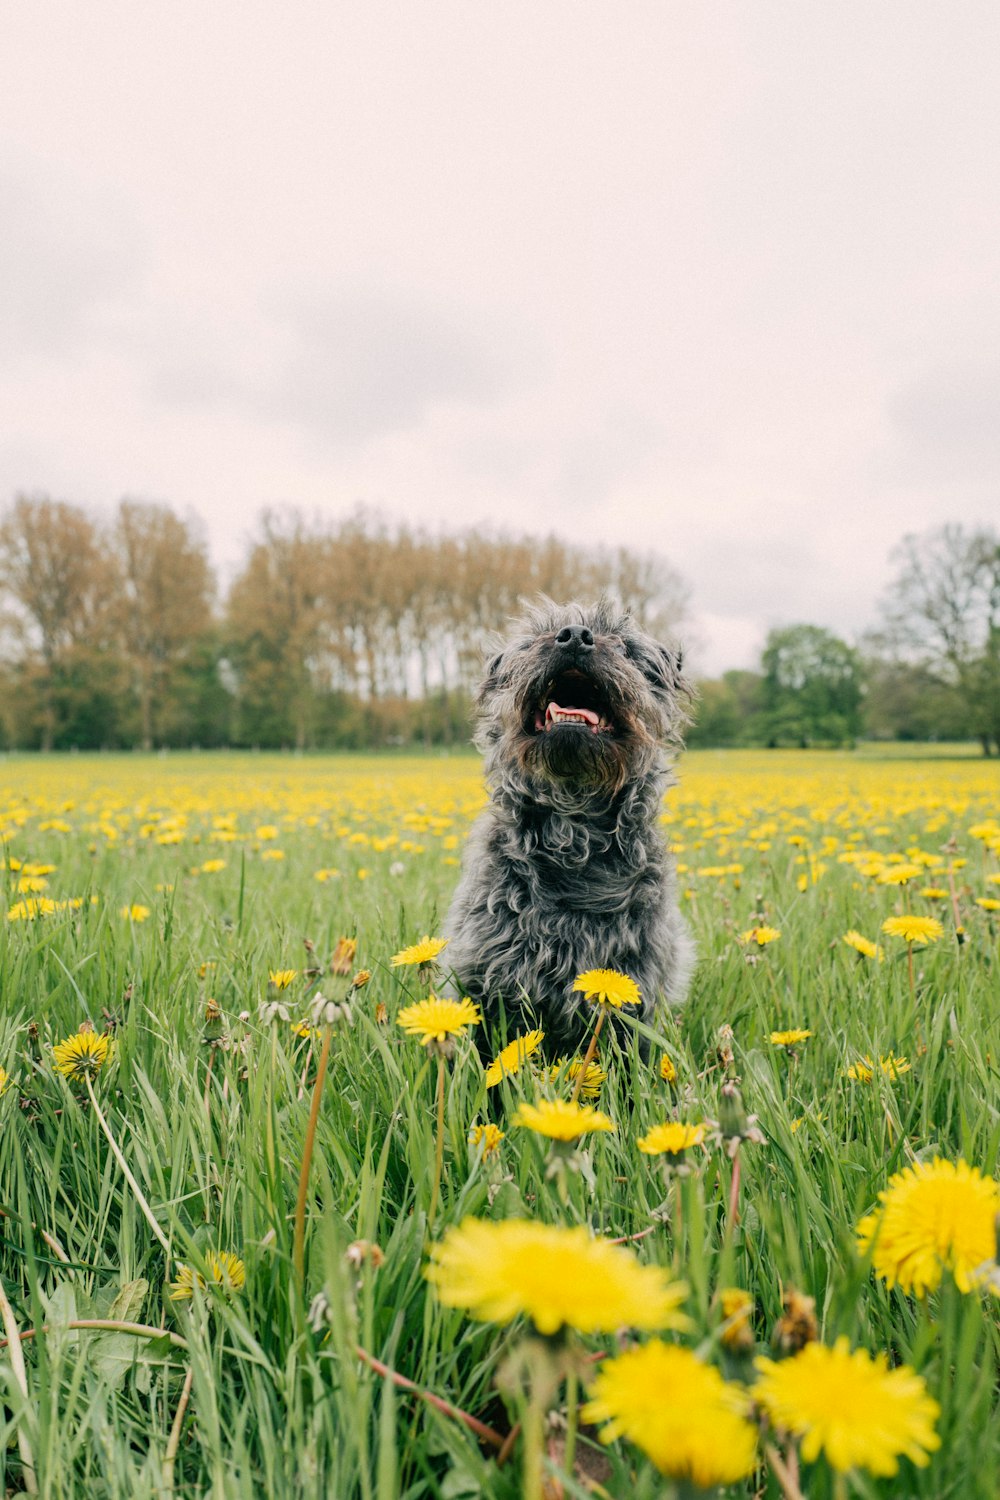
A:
(567, 870)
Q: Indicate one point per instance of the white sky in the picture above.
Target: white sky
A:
(717, 280)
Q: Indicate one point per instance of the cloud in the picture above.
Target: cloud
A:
(67, 254)
(350, 366)
(949, 419)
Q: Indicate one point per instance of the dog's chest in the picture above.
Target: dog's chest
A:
(560, 863)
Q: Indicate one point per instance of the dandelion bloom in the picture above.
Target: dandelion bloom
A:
(434, 1020)
(678, 1410)
(988, 903)
(342, 959)
(736, 1307)
(789, 1038)
(487, 1136)
(82, 1054)
(668, 1071)
(135, 912)
(510, 1058)
(27, 911)
(560, 1120)
(569, 1071)
(424, 952)
(213, 866)
(863, 945)
(934, 893)
(671, 1139)
(934, 1216)
(892, 1066)
(281, 978)
(555, 1276)
(851, 1407)
(760, 935)
(913, 929)
(4, 1079)
(227, 1272)
(899, 874)
(607, 987)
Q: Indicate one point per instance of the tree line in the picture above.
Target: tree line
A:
(356, 632)
(930, 671)
(331, 634)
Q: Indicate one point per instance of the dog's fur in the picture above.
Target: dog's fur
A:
(567, 870)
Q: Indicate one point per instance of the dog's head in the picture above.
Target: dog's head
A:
(579, 699)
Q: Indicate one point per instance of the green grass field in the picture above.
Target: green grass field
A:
(152, 898)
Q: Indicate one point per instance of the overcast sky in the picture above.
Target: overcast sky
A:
(719, 280)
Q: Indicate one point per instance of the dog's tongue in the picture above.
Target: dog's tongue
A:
(556, 715)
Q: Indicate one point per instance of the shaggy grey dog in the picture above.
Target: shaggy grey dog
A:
(567, 870)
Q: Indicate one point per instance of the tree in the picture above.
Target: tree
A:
(58, 576)
(812, 689)
(275, 630)
(164, 611)
(943, 612)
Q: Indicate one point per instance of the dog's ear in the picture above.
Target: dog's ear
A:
(660, 665)
(491, 676)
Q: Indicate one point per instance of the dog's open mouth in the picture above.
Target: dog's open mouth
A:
(573, 699)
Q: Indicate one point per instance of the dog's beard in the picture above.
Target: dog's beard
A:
(571, 728)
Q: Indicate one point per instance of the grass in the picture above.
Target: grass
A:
(261, 1391)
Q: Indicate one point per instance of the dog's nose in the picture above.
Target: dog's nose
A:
(577, 635)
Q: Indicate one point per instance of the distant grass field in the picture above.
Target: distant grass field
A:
(152, 898)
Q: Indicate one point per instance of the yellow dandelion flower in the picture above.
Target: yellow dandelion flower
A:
(934, 1216)
(213, 866)
(424, 952)
(560, 1120)
(892, 1066)
(934, 893)
(281, 978)
(487, 1136)
(988, 903)
(760, 935)
(863, 945)
(671, 1139)
(510, 1058)
(569, 1070)
(736, 1307)
(84, 1053)
(690, 1422)
(497, 1270)
(850, 1407)
(226, 1273)
(668, 1071)
(434, 1020)
(607, 987)
(135, 913)
(899, 874)
(343, 956)
(4, 1079)
(913, 929)
(27, 911)
(789, 1038)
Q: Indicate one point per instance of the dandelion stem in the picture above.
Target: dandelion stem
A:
(129, 1178)
(733, 1217)
(21, 1377)
(783, 1473)
(481, 1430)
(572, 1412)
(299, 1238)
(439, 1145)
(588, 1058)
(107, 1325)
(533, 1428)
(173, 1442)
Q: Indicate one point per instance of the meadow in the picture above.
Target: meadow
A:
(226, 1168)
